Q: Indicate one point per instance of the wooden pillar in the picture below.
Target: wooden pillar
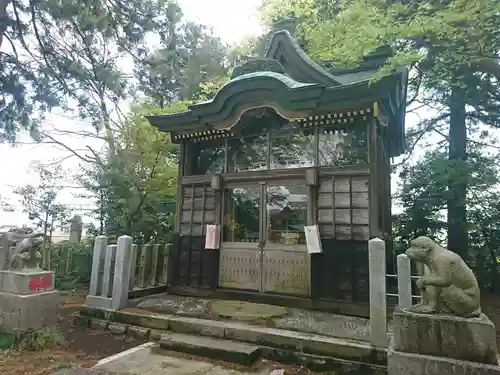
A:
(374, 186)
(312, 182)
(181, 173)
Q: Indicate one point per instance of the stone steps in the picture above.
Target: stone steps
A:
(219, 349)
(317, 352)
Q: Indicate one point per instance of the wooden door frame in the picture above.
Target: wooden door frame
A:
(263, 244)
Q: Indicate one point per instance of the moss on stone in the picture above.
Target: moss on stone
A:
(240, 310)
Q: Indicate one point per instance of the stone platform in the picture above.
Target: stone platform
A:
(425, 344)
(471, 339)
(308, 321)
(312, 350)
(418, 364)
(27, 300)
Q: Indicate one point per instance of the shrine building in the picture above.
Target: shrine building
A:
(287, 143)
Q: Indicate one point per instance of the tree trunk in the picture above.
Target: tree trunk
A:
(457, 183)
(45, 228)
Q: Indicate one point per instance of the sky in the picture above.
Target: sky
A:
(231, 20)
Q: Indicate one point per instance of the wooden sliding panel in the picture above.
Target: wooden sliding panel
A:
(343, 220)
(343, 208)
(195, 264)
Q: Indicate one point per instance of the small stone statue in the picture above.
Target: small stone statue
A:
(27, 252)
(450, 287)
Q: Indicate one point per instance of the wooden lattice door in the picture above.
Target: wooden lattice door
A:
(195, 266)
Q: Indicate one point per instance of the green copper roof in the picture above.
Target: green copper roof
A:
(290, 82)
(303, 88)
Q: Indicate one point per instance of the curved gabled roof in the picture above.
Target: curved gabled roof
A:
(303, 88)
(247, 91)
(285, 49)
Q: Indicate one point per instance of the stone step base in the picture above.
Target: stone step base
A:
(417, 364)
(316, 352)
(351, 350)
(220, 349)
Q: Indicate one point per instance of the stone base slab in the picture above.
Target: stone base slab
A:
(98, 302)
(34, 311)
(26, 282)
(238, 331)
(399, 363)
(284, 354)
(471, 339)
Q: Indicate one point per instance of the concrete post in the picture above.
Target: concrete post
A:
(122, 273)
(378, 302)
(100, 244)
(166, 258)
(107, 277)
(404, 281)
(133, 267)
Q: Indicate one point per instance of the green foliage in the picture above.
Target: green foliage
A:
(5, 205)
(137, 179)
(40, 201)
(189, 55)
(64, 53)
(452, 50)
(32, 340)
(71, 263)
(423, 195)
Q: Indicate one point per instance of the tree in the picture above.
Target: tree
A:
(40, 201)
(133, 185)
(5, 205)
(53, 52)
(423, 195)
(189, 56)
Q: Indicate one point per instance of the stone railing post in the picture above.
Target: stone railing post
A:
(378, 302)
(133, 267)
(122, 272)
(153, 277)
(100, 244)
(404, 281)
(166, 258)
(144, 264)
(107, 277)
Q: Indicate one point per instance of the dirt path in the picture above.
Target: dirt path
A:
(80, 346)
(83, 348)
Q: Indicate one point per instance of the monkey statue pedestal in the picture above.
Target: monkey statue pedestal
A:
(28, 300)
(446, 333)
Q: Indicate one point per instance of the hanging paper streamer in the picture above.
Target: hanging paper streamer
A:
(212, 237)
(313, 240)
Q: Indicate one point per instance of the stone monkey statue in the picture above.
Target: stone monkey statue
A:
(450, 287)
(27, 254)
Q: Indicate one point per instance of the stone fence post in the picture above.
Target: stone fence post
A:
(133, 266)
(123, 266)
(98, 255)
(378, 302)
(111, 270)
(404, 281)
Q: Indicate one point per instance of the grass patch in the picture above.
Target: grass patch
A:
(32, 340)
